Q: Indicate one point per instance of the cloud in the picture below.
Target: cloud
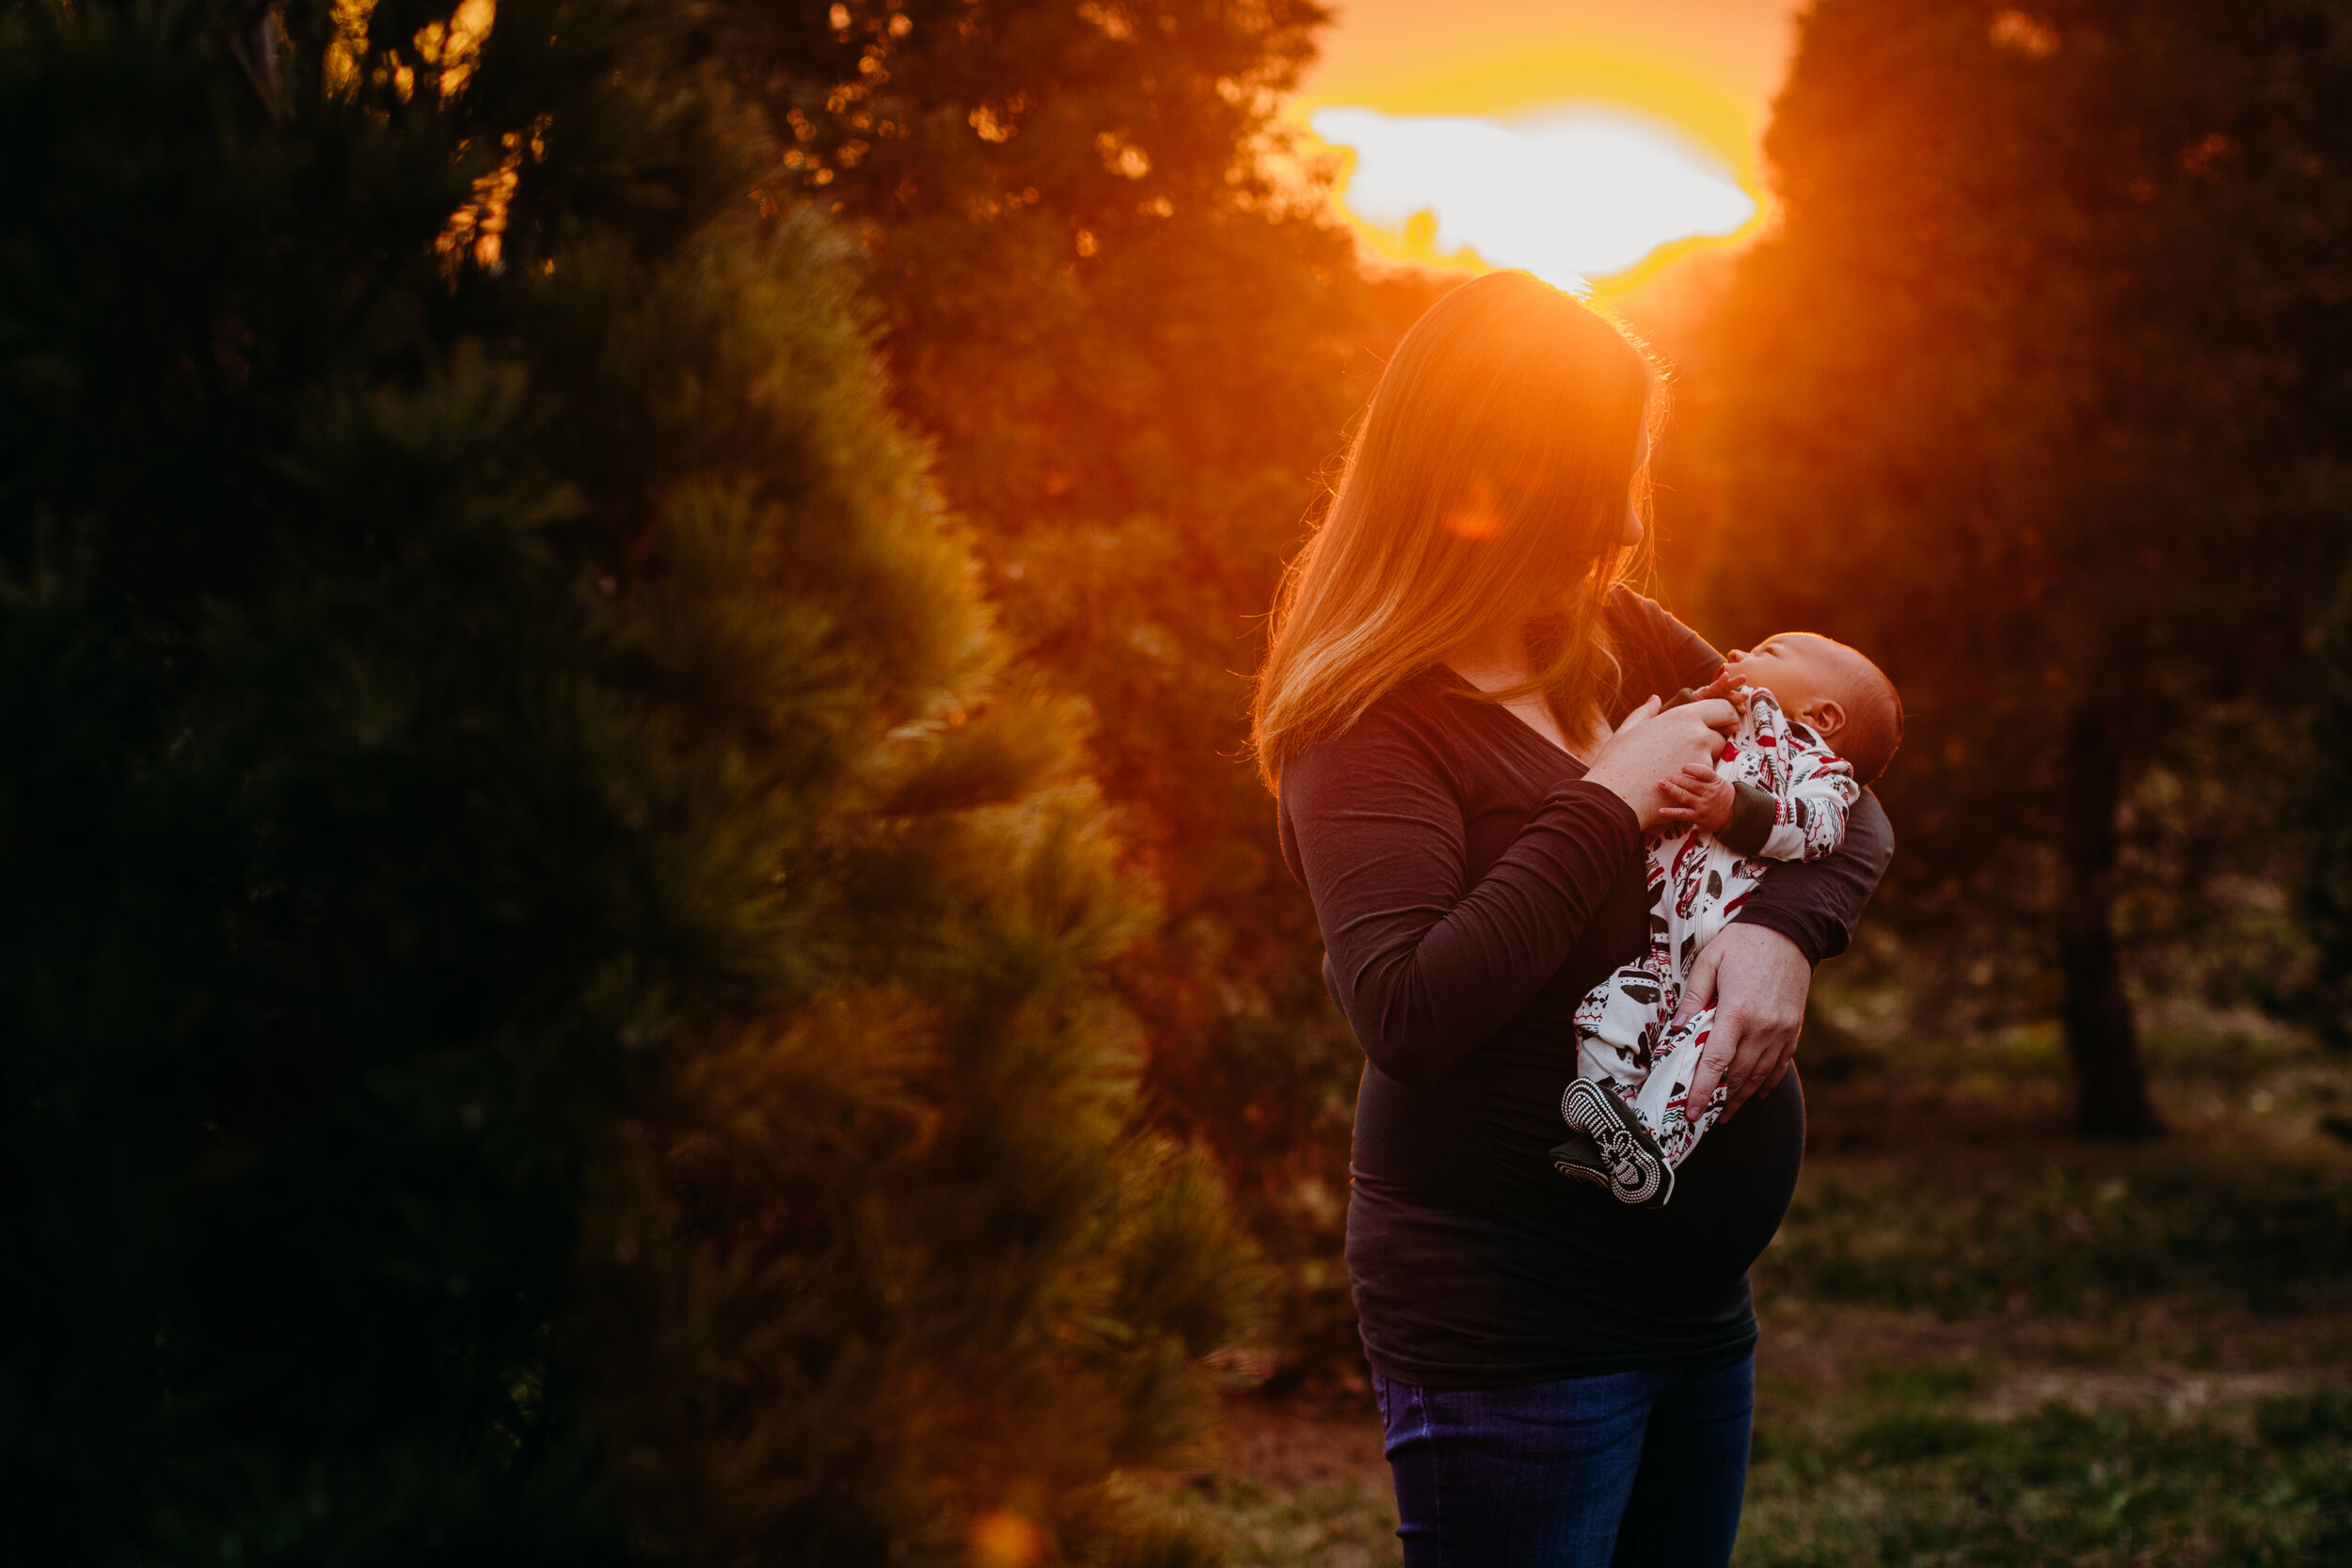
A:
(1568, 197)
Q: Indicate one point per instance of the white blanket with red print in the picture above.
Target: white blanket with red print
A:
(1627, 1035)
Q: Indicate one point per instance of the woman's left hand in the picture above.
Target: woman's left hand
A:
(1757, 980)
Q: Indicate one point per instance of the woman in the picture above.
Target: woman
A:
(1458, 718)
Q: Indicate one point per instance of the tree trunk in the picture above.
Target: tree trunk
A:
(2111, 1087)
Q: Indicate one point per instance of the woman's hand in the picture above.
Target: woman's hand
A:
(1757, 980)
(1651, 746)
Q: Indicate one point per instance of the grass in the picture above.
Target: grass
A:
(1987, 1343)
(2260, 1227)
(1947, 1181)
(1254, 1521)
(1901, 1479)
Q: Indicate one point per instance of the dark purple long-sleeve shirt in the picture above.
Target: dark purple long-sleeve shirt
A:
(1471, 889)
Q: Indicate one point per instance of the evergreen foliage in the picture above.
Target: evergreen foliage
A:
(552, 984)
(2036, 394)
(1123, 312)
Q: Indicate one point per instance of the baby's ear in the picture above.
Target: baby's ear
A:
(1827, 719)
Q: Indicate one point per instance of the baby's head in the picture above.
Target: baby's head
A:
(1834, 692)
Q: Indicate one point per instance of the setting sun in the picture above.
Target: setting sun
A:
(1569, 196)
(1580, 139)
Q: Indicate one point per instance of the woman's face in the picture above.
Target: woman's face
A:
(1632, 535)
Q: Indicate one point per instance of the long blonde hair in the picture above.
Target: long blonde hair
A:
(1485, 492)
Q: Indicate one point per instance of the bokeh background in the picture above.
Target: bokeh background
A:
(636, 926)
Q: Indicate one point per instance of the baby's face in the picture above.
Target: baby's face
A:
(1812, 677)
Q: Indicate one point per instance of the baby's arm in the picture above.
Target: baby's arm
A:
(1807, 820)
(1702, 797)
(1808, 823)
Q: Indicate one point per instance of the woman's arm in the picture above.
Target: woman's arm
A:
(1425, 965)
(1817, 904)
(1758, 970)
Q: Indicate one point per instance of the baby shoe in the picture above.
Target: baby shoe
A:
(1613, 1148)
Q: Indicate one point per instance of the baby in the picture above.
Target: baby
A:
(1817, 722)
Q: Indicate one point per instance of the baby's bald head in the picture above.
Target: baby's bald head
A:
(1833, 689)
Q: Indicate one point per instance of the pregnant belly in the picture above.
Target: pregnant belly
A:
(1730, 1194)
(1539, 1278)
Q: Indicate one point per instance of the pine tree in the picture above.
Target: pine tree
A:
(2037, 393)
(552, 979)
(1137, 336)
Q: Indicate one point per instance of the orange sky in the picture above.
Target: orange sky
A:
(1710, 68)
(1718, 61)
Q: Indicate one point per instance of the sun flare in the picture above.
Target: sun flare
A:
(1571, 197)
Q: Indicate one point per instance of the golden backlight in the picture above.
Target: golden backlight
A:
(1578, 138)
(1570, 196)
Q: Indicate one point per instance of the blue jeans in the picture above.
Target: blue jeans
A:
(1642, 1470)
